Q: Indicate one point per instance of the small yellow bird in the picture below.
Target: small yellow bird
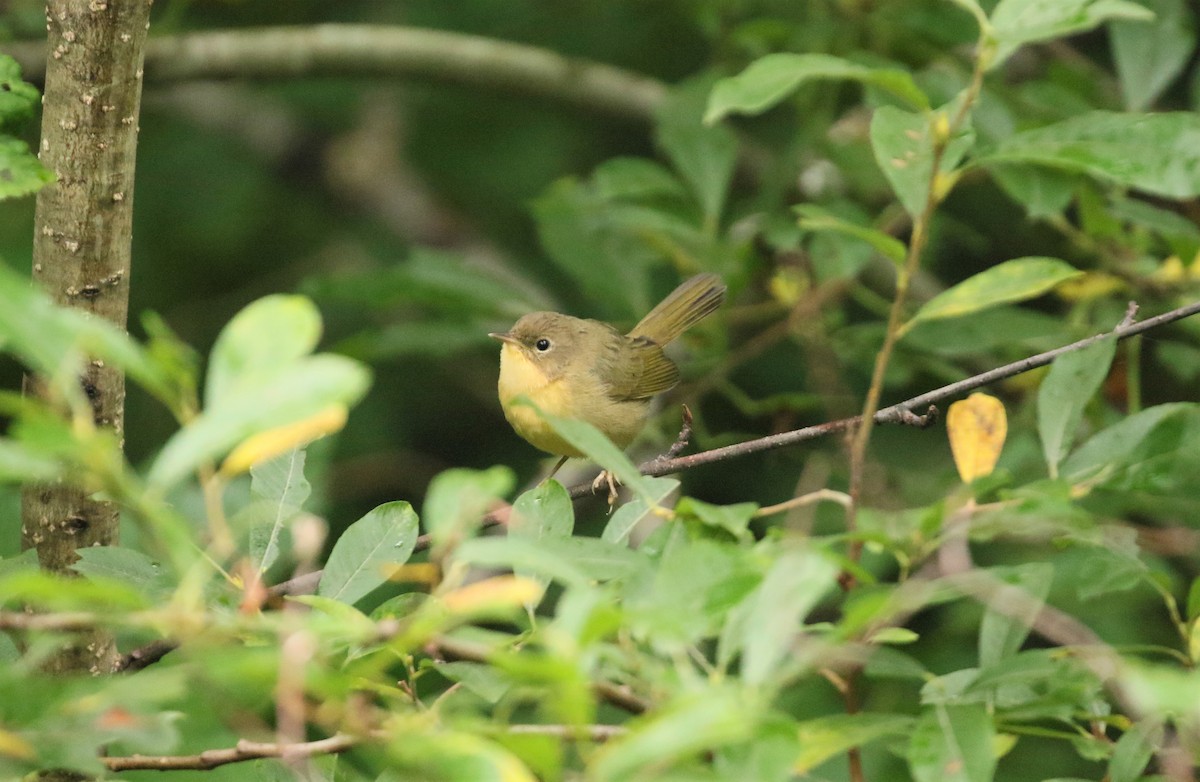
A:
(587, 370)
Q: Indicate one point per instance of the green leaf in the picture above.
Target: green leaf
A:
(52, 340)
(1000, 634)
(259, 342)
(694, 722)
(20, 463)
(592, 442)
(281, 485)
(483, 680)
(796, 582)
(1041, 192)
(689, 594)
(627, 517)
(1156, 153)
(576, 562)
(902, 143)
(295, 392)
(704, 155)
(734, 519)
(1019, 22)
(458, 499)
(545, 511)
(126, 566)
(1149, 55)
(815, 219)
(20, 171)
(953, 744)
(18, 99)
(770, 79)
(1134, 750)
(367, 551)
(1106, 571)
(606, 260)
(1161, 689)
(1193, 600)
(1016, 280)
(824, 738)
(635, 178)
(1117, 445)
(1067, 388)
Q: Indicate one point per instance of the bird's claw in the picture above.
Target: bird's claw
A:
(606, 477)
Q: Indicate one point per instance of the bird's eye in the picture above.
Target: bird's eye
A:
(542, 344)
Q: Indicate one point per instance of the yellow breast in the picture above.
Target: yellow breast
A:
(521, 377)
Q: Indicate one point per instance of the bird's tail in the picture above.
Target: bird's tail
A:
(694, 300)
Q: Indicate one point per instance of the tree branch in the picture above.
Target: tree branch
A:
(239, 753)
(902, 412)
(373, 50)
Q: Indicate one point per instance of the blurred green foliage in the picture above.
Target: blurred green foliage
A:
(793, 155)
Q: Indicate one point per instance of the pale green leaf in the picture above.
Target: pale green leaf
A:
(281, 485)
(1019, 22)
(1067, 388)
(20, 171)
(691, 723)
(953, 744)
(1155, 153)
(704, 155)
(260, 341)
(1149, 55)
(127, 566)
(816, 219)
(770, 79)
(293, 393)
(824, 738)
(458, 499)
(902, 142)
(1016, 280)
(1000, 633)
(627, 517)
(796, 582)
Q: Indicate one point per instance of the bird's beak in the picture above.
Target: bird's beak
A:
(504, 337)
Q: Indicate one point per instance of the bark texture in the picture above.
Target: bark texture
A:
(81, 251)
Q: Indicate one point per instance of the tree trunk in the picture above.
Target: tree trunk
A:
(81, 251)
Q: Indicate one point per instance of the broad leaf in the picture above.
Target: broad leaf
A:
(953, 744)
(367, 552)
(459, 498)
(126, 566)
(704, 155)
(1019, 22)
(1016, 280)
(280, 484)
(1156, 153)
(20, 171)
(771, 79)
(1150, 54)
(1067, 388)
(1001, 635)
(824, 738)
(902, 142)
(258, 343)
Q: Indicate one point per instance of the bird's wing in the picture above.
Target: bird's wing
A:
(646, 372)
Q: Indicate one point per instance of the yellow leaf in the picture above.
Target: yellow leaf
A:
(976, 427)
(13, 746)
(265, 445)
(1090, 286)
(416, 573)
(490, 594)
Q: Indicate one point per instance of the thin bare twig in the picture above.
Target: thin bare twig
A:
(239, 753)
(902, 412)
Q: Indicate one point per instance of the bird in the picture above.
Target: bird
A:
(588, 370)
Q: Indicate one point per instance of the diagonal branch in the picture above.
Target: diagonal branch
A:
(902, 412)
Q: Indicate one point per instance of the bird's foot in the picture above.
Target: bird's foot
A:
(606, 477)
